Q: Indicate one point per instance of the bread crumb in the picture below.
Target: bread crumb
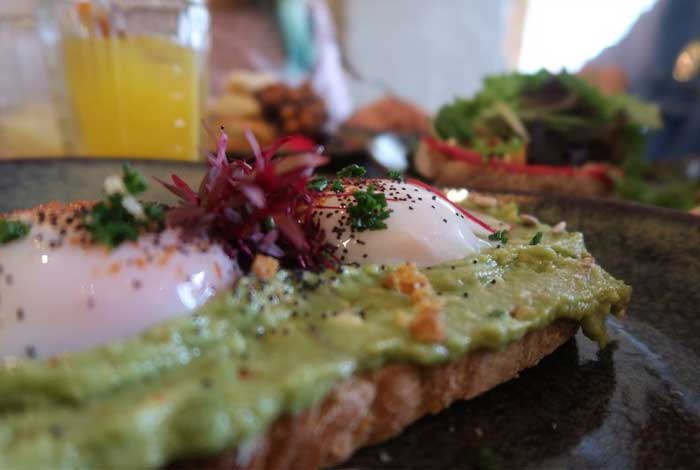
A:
(427, 326)
(265, 267)
(407, 279)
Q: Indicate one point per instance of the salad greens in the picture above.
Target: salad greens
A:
(561, 119)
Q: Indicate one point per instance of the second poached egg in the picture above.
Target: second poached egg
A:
(423, 227)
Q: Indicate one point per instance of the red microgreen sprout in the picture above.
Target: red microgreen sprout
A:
(259, 205)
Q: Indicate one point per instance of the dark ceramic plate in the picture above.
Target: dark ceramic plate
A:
(635, 404)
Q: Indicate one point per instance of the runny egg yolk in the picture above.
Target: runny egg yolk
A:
(422, 228)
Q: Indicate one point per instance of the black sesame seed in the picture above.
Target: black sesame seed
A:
(444, 220)
(493, 281)
(410, 208)
(433, 198)
(30, 351)
(465, 295)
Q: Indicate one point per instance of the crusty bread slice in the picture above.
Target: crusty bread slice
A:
(372, 407)
(589, 180)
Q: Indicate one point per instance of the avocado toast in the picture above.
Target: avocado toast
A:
(297, 368)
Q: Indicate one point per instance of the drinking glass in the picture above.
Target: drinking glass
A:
(29, 119)
(133, 74)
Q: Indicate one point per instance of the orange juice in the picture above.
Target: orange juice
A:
(134, 96)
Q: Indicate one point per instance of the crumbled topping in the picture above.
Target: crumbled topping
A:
(407, 279)
(265, 267)
(427, 325)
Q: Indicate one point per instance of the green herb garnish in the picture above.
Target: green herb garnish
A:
(120, 217)
(500, 236)
(337, 186)
(352, 171)
(369, 211)
(319, 183)
(536, 239)
(133, 180)
(395, 175)
(12, 230)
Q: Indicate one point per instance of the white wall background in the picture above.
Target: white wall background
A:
(426, 50)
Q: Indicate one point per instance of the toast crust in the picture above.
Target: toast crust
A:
(372, 407)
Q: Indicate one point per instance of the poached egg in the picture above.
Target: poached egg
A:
(423, 228)
(58, 293)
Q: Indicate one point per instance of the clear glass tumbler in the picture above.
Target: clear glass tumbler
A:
(133, 74)
(29, 119)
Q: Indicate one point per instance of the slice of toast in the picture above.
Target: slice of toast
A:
(372, 407)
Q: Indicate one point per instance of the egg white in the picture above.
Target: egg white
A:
(422, 228)
(59, 294)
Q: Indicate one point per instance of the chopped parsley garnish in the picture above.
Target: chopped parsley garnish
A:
(369, 211)
(12, 230)
(319, 183)
(395, 175)
(120, 217)
(497, 313)
(352, 171)
(500, 236)
(536, 239)
(133, 180)
(337, 186)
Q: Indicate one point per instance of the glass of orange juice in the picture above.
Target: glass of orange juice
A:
(134, 75)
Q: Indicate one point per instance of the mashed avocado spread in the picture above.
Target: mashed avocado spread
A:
(217, 379)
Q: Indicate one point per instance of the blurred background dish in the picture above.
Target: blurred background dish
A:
(379, 83)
